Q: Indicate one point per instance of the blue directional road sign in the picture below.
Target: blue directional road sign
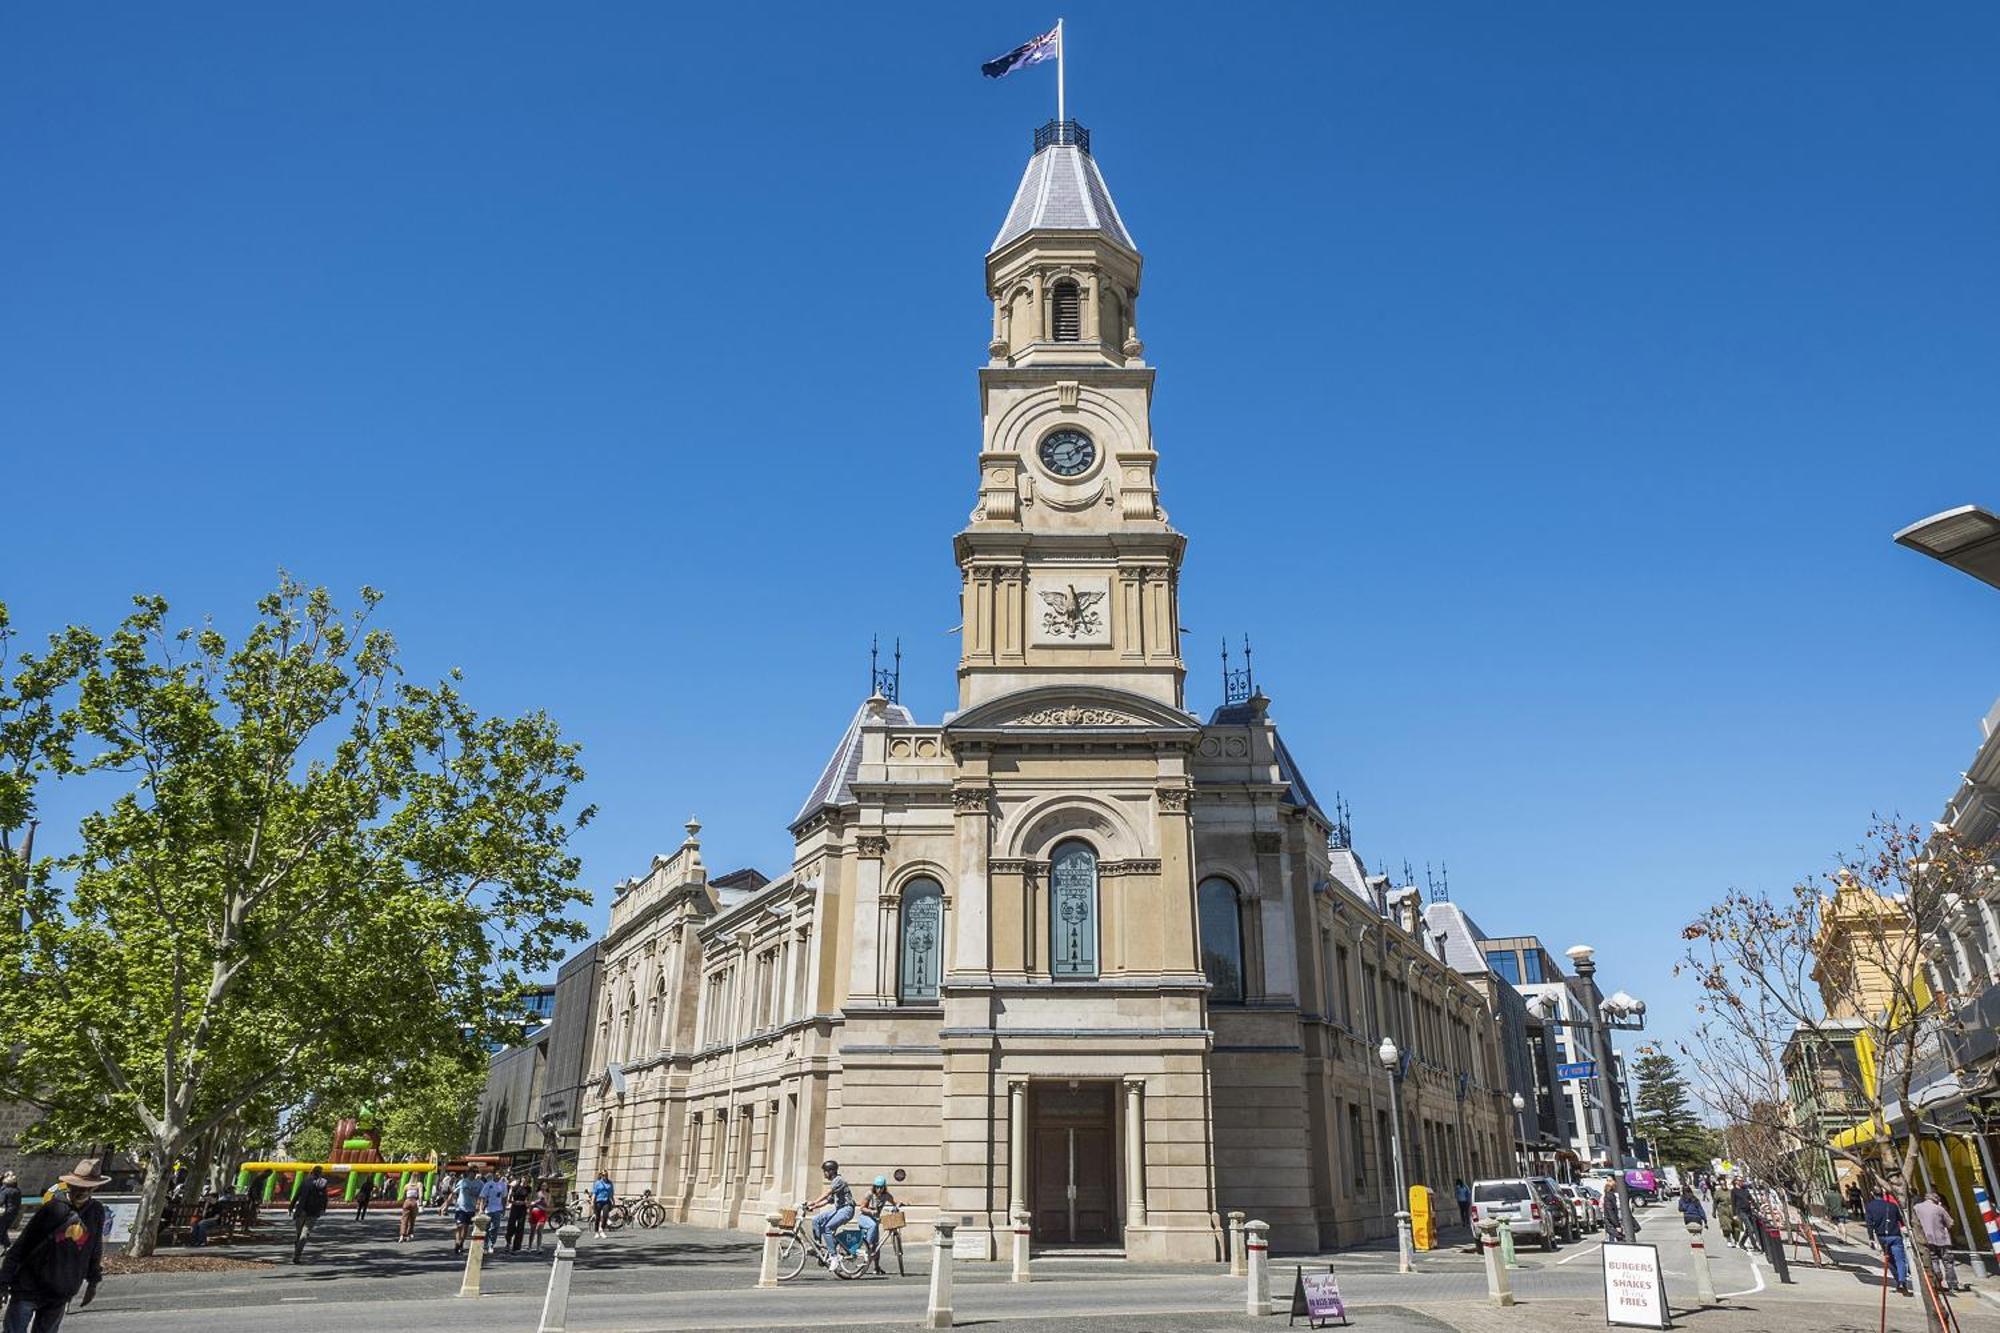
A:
(1588, 1069)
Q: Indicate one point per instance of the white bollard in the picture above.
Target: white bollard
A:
(774, 1231)
(555, 1310)
(1258, 1246)
(1704, 1281)
(1022, 1221)
(1238, 1265)
(474, 1256)
(1499, 1283)
(937, 1313)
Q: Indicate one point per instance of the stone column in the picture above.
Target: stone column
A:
(1017, 1145)
(774, 1231)
(1023, 1223)
(1135, 1152)
(555, 1309)
(1704, 1281)
(481, 1221)
(1238, 1265)
(1499, 1286)
(1258, 1299)
(937, 1312)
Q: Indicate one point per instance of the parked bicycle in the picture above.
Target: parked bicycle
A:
(847, 1258)
(642, 1208)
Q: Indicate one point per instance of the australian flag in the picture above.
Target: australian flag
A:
(1032, 52)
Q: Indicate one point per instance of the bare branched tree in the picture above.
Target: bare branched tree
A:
(1824, 990)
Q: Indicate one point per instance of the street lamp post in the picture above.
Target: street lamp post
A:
(1520, 1135)
(1584, 958)
(1966, 538)
(1390, 1058)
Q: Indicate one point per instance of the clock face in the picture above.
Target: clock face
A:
(1067, 453)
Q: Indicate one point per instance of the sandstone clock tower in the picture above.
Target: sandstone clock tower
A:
(1070, 568)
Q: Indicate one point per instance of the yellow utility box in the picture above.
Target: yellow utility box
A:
(1423, 1218)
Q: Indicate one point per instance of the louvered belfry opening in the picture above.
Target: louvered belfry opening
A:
(1067, 310)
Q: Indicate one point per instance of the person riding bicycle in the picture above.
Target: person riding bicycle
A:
(872, 1206)
(838, 1201)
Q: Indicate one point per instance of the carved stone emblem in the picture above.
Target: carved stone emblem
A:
(1070, 613)
(970, 800)
(1174, 800)
(871, 845)
(1072, 715)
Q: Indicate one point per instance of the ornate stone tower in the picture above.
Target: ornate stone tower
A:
(1070, 568)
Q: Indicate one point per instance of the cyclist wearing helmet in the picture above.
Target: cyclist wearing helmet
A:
(838, 1201)
(871, 1217)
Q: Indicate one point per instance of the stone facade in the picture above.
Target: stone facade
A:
(1073, 949)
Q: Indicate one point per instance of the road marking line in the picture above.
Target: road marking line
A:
(1756, 1273)
(293, 1300)
(1580, 1254)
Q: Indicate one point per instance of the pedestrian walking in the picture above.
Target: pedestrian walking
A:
(308, 1206)
(413, 1204)
(493, 1197)
(363, 1197)
(517, 1213)
(1725, 1217)
(59, 1252)
(1746, 1212)
(465, 1204)
(1934, 1224)
(538, 1217)
(1463, 1193)
(1885, 1224)
(10, 1205)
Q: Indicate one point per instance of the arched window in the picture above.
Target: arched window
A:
(1073, 910)
(1222, 941)
(1066, 312)
(923, 942)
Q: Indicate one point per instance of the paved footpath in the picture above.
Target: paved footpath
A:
(682, 1279)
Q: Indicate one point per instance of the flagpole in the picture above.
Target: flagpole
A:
(1060, 115)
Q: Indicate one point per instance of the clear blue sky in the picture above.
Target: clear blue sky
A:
(1539, 386)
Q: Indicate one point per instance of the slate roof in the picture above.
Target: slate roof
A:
(836, 782)
(1062, 190)
(1461, 937)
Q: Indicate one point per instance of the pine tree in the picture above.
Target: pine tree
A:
(1663, 1117)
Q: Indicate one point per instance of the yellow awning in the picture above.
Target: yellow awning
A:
(1854, 1136)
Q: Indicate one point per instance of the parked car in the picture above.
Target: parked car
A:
(1585, 1204)
(1568, 1225)
(1520, 1205)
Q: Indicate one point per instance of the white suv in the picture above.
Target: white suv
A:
(1519, 1204)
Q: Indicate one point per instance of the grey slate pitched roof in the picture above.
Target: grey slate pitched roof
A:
(835, 785)
(1062, 190)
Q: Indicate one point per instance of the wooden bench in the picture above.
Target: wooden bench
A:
(227, 1220)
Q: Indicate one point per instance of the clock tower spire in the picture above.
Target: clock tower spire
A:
(1071, 572)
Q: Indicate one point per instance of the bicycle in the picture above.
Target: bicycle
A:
(642, 1208)
(847, 1259)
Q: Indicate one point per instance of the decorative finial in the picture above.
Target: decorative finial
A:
(887, 683)
(1238, 686)
(1342, 837)
(693, 826)
(1440, 883)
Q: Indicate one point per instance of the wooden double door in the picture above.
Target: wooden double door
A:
(1073, 1162)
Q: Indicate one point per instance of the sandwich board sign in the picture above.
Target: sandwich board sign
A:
(1317, 1297)
(1635, 1291)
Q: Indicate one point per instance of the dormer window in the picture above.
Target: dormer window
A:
(1066, 312)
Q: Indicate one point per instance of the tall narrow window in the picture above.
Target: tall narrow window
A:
(923, 941)
(1073, 911)
(1222, 941)
(1066, 312)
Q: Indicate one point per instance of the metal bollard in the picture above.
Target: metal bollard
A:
(774, 1231)
(1704, 1281)
(555, 1310)
(937, 1314)
(474, 1255)
(1238, 1265)
(1257, 1300)
(1022, 1220)
(1499, 1284)
(1507, 1244)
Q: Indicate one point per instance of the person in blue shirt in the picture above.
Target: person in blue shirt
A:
(464, 1203)
(601, 1196)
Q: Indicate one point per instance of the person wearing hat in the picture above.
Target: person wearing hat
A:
(10, 1205)
(877, 1201)
(59, 1252)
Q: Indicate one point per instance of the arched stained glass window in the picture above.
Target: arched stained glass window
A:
(1222, 941)
(1073, 910)
(923, 941)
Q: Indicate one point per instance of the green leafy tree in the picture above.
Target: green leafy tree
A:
(308, 867)
(1663, 1116)
(431, 1106)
